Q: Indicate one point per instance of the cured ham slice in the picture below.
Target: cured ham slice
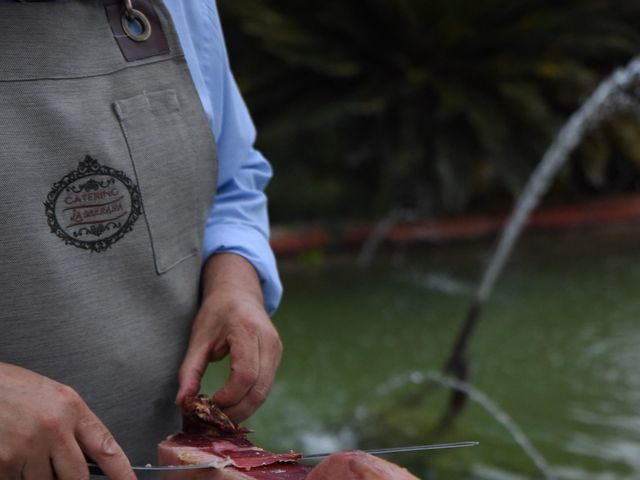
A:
(238, 452)
(358, 466)
(243, 460)
(209, 436)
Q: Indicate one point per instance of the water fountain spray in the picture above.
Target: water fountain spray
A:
(619, 92)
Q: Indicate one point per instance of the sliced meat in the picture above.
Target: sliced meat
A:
(242, 459)
(273, 472)
(201, 415)
(209, 436)
(247, 462)
(185, 448)
(173, 452)
(358, 466)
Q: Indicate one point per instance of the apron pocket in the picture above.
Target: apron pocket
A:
(156, 135)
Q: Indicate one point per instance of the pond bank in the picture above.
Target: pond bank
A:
(292, 240)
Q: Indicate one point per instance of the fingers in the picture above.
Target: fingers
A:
(44, 428)
(191, 371)
(245, 369)
(8, 469)
(270, 353)
(98, 443)
(69, 462)
(207, 344)
(39, 470)
(33, 465)
(232, 321)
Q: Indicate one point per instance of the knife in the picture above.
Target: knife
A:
(388, 451)
(95, 469)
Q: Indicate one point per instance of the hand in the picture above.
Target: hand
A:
(232, 321)
(44, 429)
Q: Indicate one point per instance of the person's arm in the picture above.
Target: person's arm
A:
(46, 428)
(241, 286)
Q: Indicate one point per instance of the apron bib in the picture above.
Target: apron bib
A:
(108, 170)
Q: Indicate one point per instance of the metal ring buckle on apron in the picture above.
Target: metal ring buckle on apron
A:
(133, 17)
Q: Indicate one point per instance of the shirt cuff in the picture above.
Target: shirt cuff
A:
(254, 247)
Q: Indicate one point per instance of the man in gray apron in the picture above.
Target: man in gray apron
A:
(108, 175)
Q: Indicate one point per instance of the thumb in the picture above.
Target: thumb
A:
(191, 371)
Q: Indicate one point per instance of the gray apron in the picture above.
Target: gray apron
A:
(107, 172)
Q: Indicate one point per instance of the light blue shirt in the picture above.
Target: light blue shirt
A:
(238, 221)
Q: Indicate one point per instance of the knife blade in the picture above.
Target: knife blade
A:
(388, 451)
(95, 469)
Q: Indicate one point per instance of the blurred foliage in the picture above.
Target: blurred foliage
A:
(432, 105)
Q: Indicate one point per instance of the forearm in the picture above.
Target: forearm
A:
(228, 273)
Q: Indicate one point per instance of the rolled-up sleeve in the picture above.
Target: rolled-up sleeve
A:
(238, 220)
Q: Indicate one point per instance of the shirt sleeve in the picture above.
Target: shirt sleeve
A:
(238, 220)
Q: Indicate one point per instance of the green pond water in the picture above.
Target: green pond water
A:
(557, 350)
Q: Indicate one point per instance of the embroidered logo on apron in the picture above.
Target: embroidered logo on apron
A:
(93, 206)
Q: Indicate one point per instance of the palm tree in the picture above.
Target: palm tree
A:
(428, 105)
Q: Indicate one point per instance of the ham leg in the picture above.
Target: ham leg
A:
(209, 436)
